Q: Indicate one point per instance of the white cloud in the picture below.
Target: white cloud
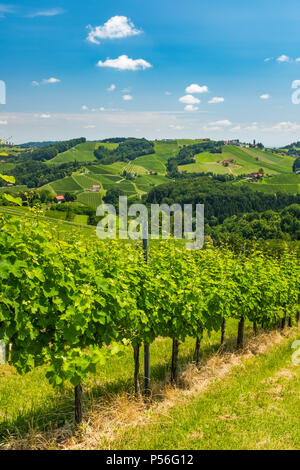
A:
(283, 58)
(235, 128)
(222, 123)
(189, 99)
(216, 99)
(297, 59)
(176, 127)
(265, 96)
(123, 62)
(89, 126)
(6, 9)
(127, 97)
(194, 88)
(49, 12)
(286, 126)
(84, 107)
(112, 87)
(3, 123)
(116, 27)
(190, 107)
(50, 80)
(34, 83)
(252, 127)
(45, 116)
(268, 59)
(168, 93)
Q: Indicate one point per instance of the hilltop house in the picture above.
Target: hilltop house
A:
(255, 176)
(226, 162)
(59, 199)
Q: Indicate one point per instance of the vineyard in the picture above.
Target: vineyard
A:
(72, 304)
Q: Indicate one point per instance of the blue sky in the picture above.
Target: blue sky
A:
(188, 69)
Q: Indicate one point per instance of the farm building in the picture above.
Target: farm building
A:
(59, 199)
(225, 162)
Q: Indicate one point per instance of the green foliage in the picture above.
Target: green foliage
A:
(83, 152)
(266, 225)
(47, 153)
(9, 197)
(296, 165)
(112, 196)
(221, 199)
(35, 173)
(127, 150)
(70, 305)
(187, 153)
(90, 199)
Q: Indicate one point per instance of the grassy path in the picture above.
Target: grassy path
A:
(29, 403)
(255, 407)
(245, 400)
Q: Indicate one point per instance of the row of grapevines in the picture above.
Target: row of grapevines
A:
(72, 304)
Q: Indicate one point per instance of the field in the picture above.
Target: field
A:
(150, 170)
(90, 199)
(110, 176)
(64, 227)
(81, 153)
(242, 394)
(246, 161)
(253, 406)
(246, 400)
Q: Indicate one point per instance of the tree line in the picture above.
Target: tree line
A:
(266, 225)
(186, 154)
(126, 150)
(49, 152)
(221, 199)
(34, 174)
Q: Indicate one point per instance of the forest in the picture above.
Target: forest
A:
(266, 225)
(221, 199)
(126, 150)
(34, 174)
(48, 152)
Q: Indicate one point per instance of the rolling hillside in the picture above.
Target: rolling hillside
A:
(245, 161)
(81, 153)
(140, 175)
(110, 176)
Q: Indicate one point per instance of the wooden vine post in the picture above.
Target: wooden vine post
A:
(136, 356)
(147, 390)
(78, 404)
(241, 327)
(197, 347)
(223, 329)
(174, 367)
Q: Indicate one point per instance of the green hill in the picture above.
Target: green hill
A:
(81, 153)
(245, 161)
(148, 171)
